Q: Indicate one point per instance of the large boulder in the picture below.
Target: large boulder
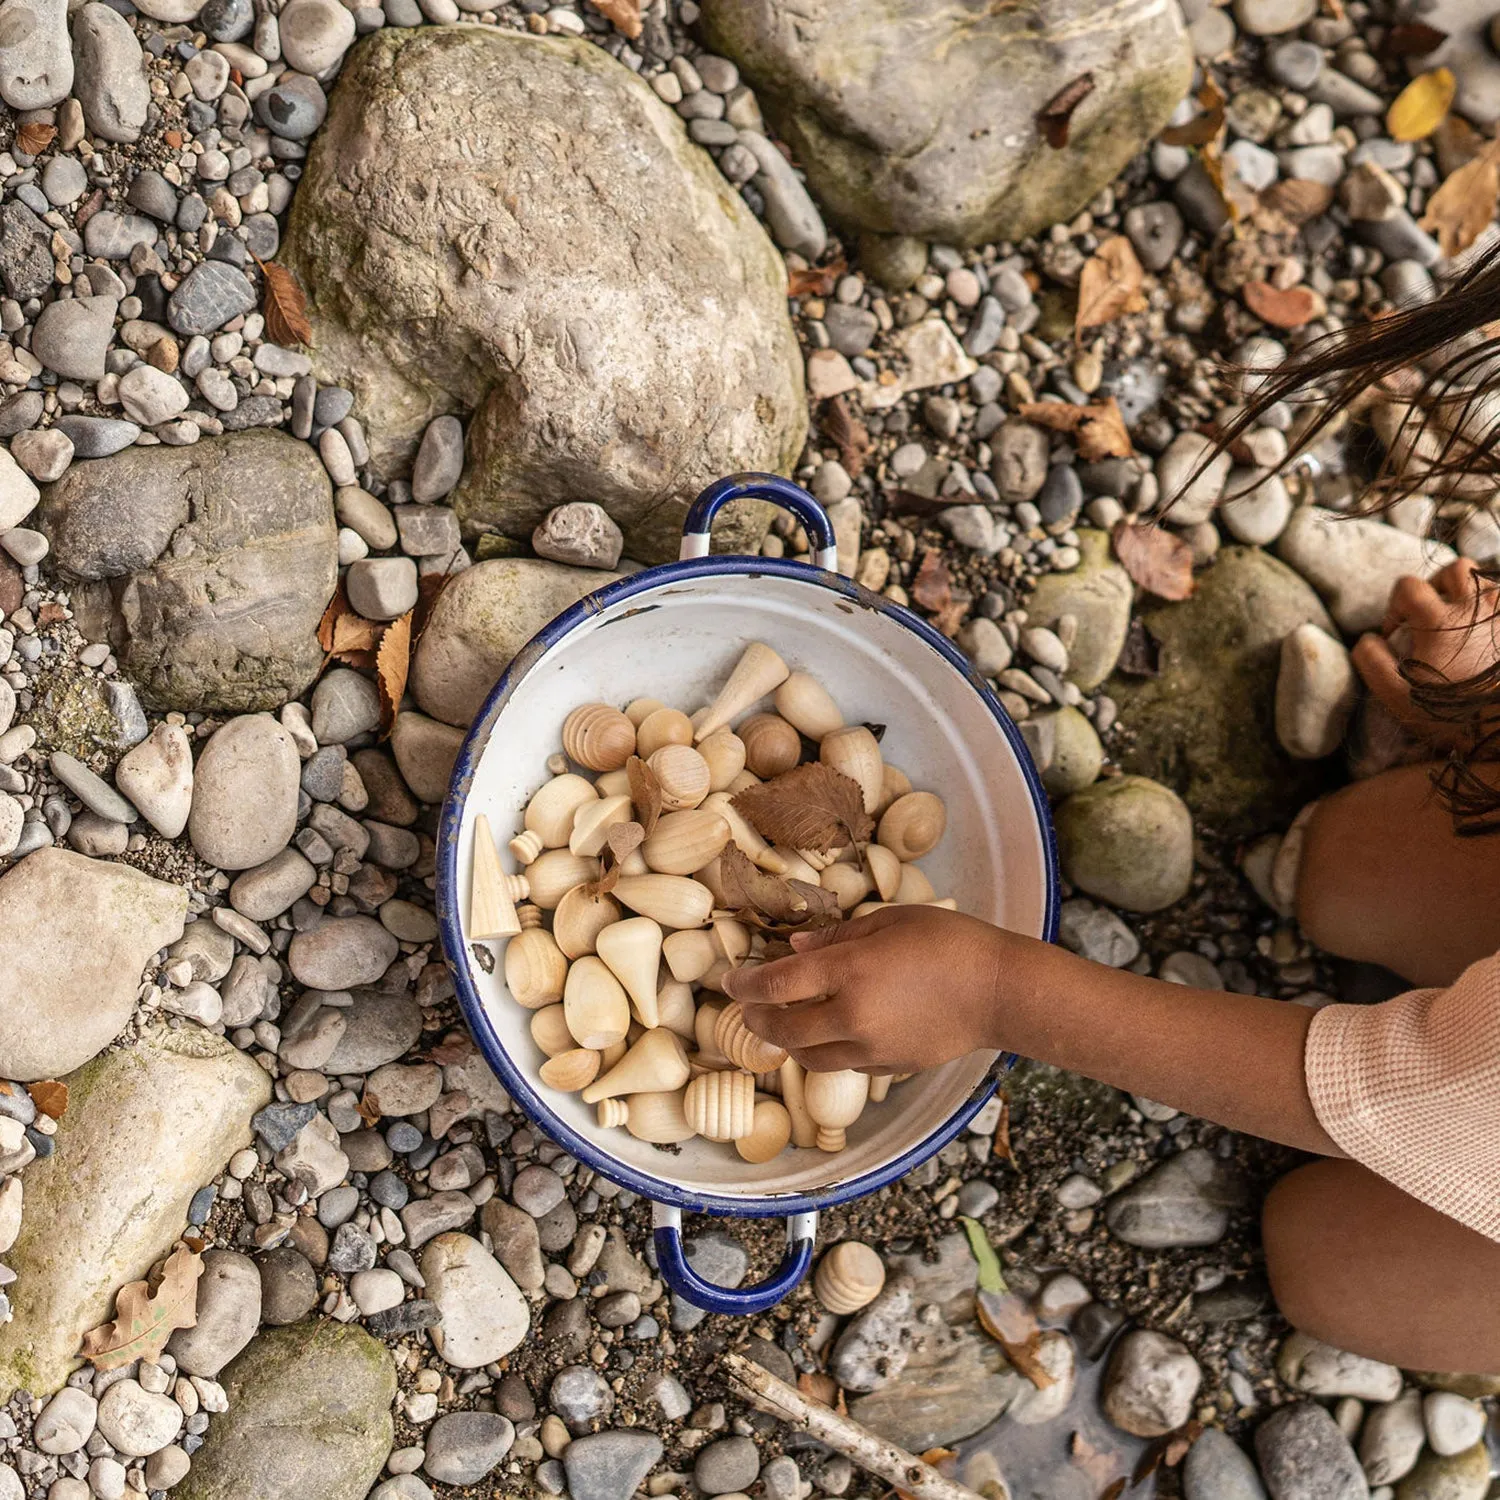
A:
(146, 1127)
(78, 934)
(208, 567)
(309, 1419)
(1205, 725)
(919, 117)
(516, 227)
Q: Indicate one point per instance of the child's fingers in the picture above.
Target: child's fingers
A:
(1455, 582)
(1413, 601)
(1376, 663)
(795, 1027)
(834, 1057)
(803, 976)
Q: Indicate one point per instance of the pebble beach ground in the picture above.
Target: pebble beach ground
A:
(261, 559)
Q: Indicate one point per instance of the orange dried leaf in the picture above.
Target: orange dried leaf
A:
(817, 1386)
(848, 434)
(1011, 1325)
(50, 1097)
(1110, 285)
(284, 305)
(645, 793)
(1291, 307)
(624, 839)
(1055, 118)
(1099, 429)
(1464, 206)
(1422, 105)
(811, 807)
(1001, 1145)
(625, 15)
(34, 137)
(368, 1109)
(815, 281)
(933, 586)
(144, 1320)
(1157, 559)
(1203, 128)
(775, 902)
(392, 663)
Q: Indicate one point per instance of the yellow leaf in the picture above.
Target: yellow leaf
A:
(392, 662)
(1422, 105)
(1464, 206)
(1110, 285)
(145, 1320)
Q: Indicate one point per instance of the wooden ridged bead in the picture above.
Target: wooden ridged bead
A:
(683, 775)
(849, 1277)
(741, 1045)
(772, 746)
(612, 1112)
(598, 736)
(535, 967)
(770, 1130)
(667, 726)
(571, 1070)
(912, 825)
(721, 1106)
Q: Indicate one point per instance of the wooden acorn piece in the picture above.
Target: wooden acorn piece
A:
(849, 883)
(794, 1097)
(835, 1101)
(721, 1106)
(655, 1063)
(612, 1112)
(741, 1045)
(804, 703)
(690, 955)
(592, 822)
(772, 746)
(673, 900)
(657, 1116)
(632, 951)
(667, 726)
(759, 671)
(535, 967)
(492, 911)
(675, 1008)
(596, 1005)
(849, 1277)
(598, 736)
(912, 825)
(683, 775)
(580, 918)
(853, 751)
(638, 710)
(570, 1070)
(770, 1130)
(724, 754)
(555, 872)
(549, 1030)
(885, 870)
(683, 842)
(915, 888)
(551, 812)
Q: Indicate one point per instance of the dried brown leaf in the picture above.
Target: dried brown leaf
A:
(452, 1049)
(35, 136)
(811, 807)
(1202, 128)
(1410, 39)
(817, 1386)
(1001, 1146)
(1296, 199)
(392, 663)
(1055, 117)
(1110, 284)
(368, 1109)
(933, 586)
(1007, 1320)
(145, 1319)
(848, 434)
(1288, 307)
(815, 281)
(789, 903)
(1157, 559)
(645, 793)
(624, 839)
(625, 15)
(430, 589)
(284, 305)
(1113, 1491)
(1099, 429)
(621, 839)
(1464, 206)
(344, 634)
(1166, 1452)
(50, 1097)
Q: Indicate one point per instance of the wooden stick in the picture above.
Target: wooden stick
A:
(764, 1391)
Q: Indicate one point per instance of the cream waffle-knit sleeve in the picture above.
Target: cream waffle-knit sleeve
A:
(1411, 1089)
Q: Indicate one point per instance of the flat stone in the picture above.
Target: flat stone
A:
(425, 751)
(137, 1422)
(345, 704)
(580, 534)
(1304, 1456)
(36, 63)
(1318, 1369)
(208, 297)
(1128, 841)
(1316, 693)
(71, 338)
(1150, 1384)
(484, 1315)
(228, 1314)
(610, 1465)
(382, 588)
(18, 495)
(110, 81)
(67, 1421)
(245, 794)
(1186, 1200)
(379, 1028)
(463, 1446)
(1217, 1468)
(341, 953)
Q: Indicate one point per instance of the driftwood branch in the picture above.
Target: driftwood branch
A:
(752, 1383)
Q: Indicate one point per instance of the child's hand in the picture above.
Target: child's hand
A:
(1452, 626)
(902, 989)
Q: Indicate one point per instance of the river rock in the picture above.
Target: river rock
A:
(342, 953)
(616, 322)
(137, 1422)
(206, 567)
(480, 621)
(228, 1314)
(610, 1465)
(36, 63)
(1187, 1200)
(893, 149)
(1097, 593)
(79, 932)
(1463, 1476)
(1391, 1440)
(1150, 1384)
(1203, 725)
(1217, 1468)
(463, 1446)
(1318, 1369)
(1453, 1422)
(71, 338)
(245, 793)
(1065, 750)
(1316, 691)
(1353, 562)
(146, 1127)
(1304, 1456)
(484, 1315)
(1128, 841)
(309, 1419)
(110, 82)
(379, 1028)
(157, 776)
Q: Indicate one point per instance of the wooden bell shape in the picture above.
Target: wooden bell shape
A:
(804, 703)
(683, 776)
(849, 884)
(657, 1116)
(849, 1277)
(593, 821)
(690, 955)
(597, 1008)
(721, 1106)
(772, 746)
(580, 918)
(569, 1071)
(759, 671)
(854, 751)
(835, 1101)
(741, 1045)
(885, 871)
(915, 888)
(724, 754)
(675, 1008)
(632, 950)
(638, 710)
(656, 1063)
(492, 912)
(611, 1113)
(770, 1130)
(672, 900)
(667, 726)
(549, 1030)
(894, 784)
(683, 842)
(556, 872)
(535, 967)
(550, 813)
(598, 736)
(794, 1097)
(912, 825)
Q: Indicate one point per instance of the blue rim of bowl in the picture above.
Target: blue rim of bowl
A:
(520, 1088)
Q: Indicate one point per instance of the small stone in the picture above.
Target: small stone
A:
(610, 1465)
(315, 34)
(289, 1286)
(229, 1293)
(1184, 1201)
(1392, 1437)
(1155, 231)
(1128, 841)
(1318, 1369)
(110, 81)
(581, 1397)
(66, 1422)
(581, 534)
(1273, 17)
(1217, 1468)
(1150, 1384)
(342, 953)
(18, 495)
(484, 1315)
(731, 1464)
(440, 460)
(137, 1422)
(1316, 691)
(382, 588)
(1191, 478)
(1098, 934)
(1304, 1456)
(209, 296)
(1453, 1423)
(150, 396)
(345, 704)
(71, 338)
(294, 108)
(462, 1447)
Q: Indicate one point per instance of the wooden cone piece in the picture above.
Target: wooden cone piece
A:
(657, 1063)
(849, 1277)
(835, 1101)
(759, 671)
(794, 1097)
(597, 1008)
(741, 1045)
(492, 913)
(632, 950)
(656, 1116)
(804, 703)
(675, 1008)
(721, 1106)
(770, 1130)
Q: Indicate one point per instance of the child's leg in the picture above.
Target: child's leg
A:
(1357, 1263)
(1385, 879)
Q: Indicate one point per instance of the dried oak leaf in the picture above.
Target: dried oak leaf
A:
(1157, 559)
(933, 586)
(1422, 105)
(34, 137)
(1464, 206)
(1290, 307)
(1098, 429)
(811, 807)
(50, 1097)
(1056, 116)
(285, 305)
(624, 15)
(848, 434)
(346, 635)
(1110, 284)
(757, 893)
(145, 1319)
(392, 663)
(645, 793)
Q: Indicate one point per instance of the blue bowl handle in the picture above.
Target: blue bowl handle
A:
(666, 1220)
(772, 487)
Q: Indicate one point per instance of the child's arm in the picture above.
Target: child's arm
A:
(911, 987)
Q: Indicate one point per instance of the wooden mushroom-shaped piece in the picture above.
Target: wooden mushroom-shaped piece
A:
(535, 967)
(770, 1130)
(915, 888)
(912, 825)
(721, 1106)
(569, 1071)
(849, 884)
(804, 703)
(580, 917)
(555, 872)
(849, 1277)
(596, 1005)
(552, 810)
(632, 951)
(690, 955)
(657, 1062)
(492, 912)
(598, 736)
(593, 821)
(657, 1116)
(683, 842)
(759, 671)
(673, 900)
(741, 1045)
(835, 1101)
(683, 776)
(854, 751)
(772, 746)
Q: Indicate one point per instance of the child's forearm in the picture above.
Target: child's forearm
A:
(1234, 1059)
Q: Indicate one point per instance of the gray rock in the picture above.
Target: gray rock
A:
(717, 1257)
(464, 1446)
(439, 462)
(1318, 1369)
(484, 1315)
(1150, 1384)
(294, 108)
(111, 74)
(1097, 934)
(1021, 457)
(1316, 692)
(210, 295)
(315, 34)
(288, 1286)
(1185, 1201)
(245, 794)
(345, 703)
(1453, 1423)
(207, 567)
(325, 1391)
(36, 65)
(580, 1396)
(1273, 17)
(382, 588)
(632, 395)
(78, 934)
(893, 150)
(112, 236)
(97, 437)
(379, 1028)
(1392, 1438)
(610, 1465)
(1304, 1456)
(157, 776)
(45, 456)
(791, 214)
(137, 1422)
(725, 1466)
(1217, 1468)
(341, 953)
(1155, 231)
(852, 330)
(95, 793)
(72, 337)
(1128, 841)
(1065, 750)
(228, 1314)
(580, 534)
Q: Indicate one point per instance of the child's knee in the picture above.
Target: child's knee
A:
(1289, 1235)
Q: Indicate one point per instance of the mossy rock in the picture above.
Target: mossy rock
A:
(1128, 841)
